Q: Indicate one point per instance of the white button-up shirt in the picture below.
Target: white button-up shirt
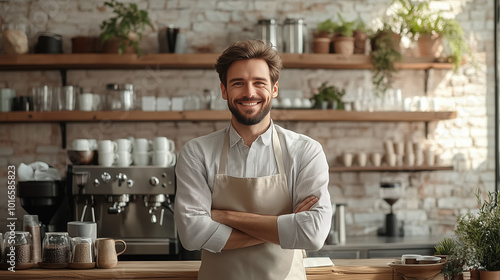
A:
(306, 171)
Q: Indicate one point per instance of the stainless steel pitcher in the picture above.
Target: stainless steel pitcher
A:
(294, 35)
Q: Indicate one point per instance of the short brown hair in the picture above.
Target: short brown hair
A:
(247, 50)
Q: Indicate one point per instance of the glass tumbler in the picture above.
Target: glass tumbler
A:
(17, 249)
(56, 248)
(42, 98)
(82, 250)
(31, 224)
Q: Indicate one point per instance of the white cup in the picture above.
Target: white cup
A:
(86, 101)
(107, 159)
(82, 229)
(429, 157)
(163, 144)
(106, 146)
(142, 145)
(391, 159)
(389, 147)
(81, 145)
(164, 158)
(399, 148)
(376, 159)
(124, 158)
(361, 157)
(347, 159)
(419, 158)
(141, 158)
(410, 159)
(123, 145)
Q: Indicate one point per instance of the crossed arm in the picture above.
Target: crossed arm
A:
(251, 229)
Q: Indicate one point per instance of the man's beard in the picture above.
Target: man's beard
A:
(243, 119)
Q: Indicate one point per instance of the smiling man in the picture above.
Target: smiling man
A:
(253, 195)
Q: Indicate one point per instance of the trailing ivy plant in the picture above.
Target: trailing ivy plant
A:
(384, 55)
(126, 26)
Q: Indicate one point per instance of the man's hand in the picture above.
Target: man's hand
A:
(306, 204)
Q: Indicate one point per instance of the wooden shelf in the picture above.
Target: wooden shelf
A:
(208, 115)
(390, 168)
(194, 61)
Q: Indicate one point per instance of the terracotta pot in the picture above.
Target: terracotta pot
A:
(489, 275)
(84, 44)
(321, 45)
(474, 274)
(395, 41)
(430, 45)
(343, 45)
(111, 46)
(359, 42)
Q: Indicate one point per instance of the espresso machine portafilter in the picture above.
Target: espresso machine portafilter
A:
(131, 203)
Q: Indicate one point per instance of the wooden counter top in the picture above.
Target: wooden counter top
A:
(366, 269)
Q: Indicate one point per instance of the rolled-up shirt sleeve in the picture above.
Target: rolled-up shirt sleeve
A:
(193, 203)
(309, 229)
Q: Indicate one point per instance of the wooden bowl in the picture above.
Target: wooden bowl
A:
(417, 271)
(81, 157)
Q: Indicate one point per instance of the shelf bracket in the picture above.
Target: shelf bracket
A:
(426, 81)
(62, 125)
(63, 77)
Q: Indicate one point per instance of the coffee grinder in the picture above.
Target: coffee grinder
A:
(390, 193)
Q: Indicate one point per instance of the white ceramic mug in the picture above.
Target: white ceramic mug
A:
(86, 101)
(141, 158)
(124, 158)
(163, 144)
(81, 145)
(142, 145)
(164, 158)
(391, 159)
(123, 145)
(107, 159)
(106, 146)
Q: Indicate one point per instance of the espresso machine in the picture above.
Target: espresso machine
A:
(133, 203)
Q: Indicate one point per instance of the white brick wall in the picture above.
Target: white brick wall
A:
(433, 199)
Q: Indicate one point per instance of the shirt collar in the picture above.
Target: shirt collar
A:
(265, 137)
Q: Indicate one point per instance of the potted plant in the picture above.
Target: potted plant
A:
(385, 53)
(480, 235)
(323, 36)
(125, 29)
(343, 41)
(328, 97)
(430, 29)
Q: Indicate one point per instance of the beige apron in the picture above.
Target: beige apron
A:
(267, 195)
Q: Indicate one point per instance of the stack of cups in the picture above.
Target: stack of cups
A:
(391, 156)
(163, 152)
(123, 152)
(141, 151)
(409, 154)
(107, 152)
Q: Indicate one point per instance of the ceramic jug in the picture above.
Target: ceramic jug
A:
(106, 255)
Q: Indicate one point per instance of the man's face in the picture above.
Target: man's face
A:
(249, 90)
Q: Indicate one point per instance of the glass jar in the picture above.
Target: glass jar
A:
(15, 40)
(120, 97)
(17, 248)
(56, 248)
(82, 250)
(31, 224)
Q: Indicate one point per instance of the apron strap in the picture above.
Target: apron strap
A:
(278, 154)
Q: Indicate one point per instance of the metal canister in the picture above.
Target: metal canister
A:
(120, 97)
(294, 35)
(267, 31)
